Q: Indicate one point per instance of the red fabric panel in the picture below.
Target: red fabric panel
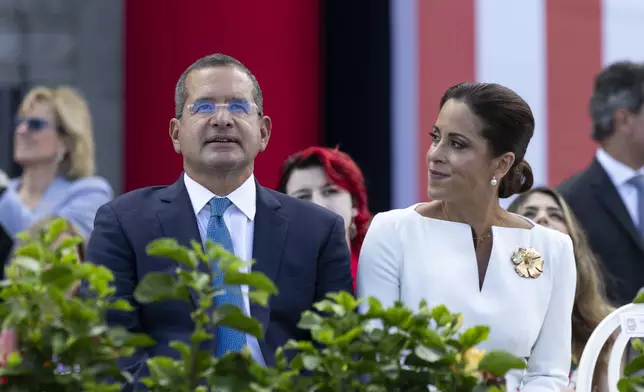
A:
(278, 40)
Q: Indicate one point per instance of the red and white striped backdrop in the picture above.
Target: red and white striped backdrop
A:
(547, 50)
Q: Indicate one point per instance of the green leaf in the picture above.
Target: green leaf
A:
(56, 228)
(433, 339)
(231, 316)
(259, 297)
(182, 347)
(200, 336)
(344, 299)
(256, 280)
(309, 320)
(311, 362)
(27, 263)
(60, 276)
(140, 340)
(498, 363)
(427, 354)
(13, 360)
(163, 370)
(168, 247)
(345, 339)
(121, 304)
(474, 336)
(155, 286)
(638, 345)
(639, 299)
(441, 315)
(302, 345)
(375, 308)
(70, 242)
(634, 366)
(329, 306)
(398, 316)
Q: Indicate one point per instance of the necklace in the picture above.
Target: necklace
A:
(477, 239)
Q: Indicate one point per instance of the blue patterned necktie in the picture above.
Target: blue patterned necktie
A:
(227, 339)
(638, 183)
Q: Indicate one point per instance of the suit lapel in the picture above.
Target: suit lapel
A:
(268, 243)
(607, 194)
(177, 218)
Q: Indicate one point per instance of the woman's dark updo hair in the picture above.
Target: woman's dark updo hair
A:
(508, 126)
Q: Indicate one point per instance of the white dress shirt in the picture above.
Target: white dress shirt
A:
(620, 174)
(240, 221)
(408, 257)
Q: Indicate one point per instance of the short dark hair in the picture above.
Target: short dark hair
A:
(619, 86)
(212, 61)
(508, 126)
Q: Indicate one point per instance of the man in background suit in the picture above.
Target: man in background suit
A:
(219, 128)
(608, 196)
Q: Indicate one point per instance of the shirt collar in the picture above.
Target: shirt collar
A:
(243, 197)
(618, 172)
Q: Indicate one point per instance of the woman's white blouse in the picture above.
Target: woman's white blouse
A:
(408, 257)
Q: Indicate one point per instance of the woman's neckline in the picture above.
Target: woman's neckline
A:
(413, 208)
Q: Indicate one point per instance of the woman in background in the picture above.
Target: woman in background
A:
(547, 207)
(55, 147)
(330, 178)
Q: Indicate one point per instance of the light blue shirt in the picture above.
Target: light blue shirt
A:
(74, 200)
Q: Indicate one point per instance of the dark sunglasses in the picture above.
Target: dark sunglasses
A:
(34, 124)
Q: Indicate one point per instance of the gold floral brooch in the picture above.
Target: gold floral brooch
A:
(528, 263)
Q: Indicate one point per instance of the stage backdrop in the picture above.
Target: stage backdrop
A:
(547, 50)
(278, 40)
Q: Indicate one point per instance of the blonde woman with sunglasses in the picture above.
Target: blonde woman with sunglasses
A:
(54, 145)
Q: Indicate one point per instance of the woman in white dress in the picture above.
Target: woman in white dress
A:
(465, 251)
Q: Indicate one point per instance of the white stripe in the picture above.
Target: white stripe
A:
(622, 30)
(404, 102)
(511, 50)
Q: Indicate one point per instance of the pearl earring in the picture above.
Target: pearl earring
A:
(494, 181)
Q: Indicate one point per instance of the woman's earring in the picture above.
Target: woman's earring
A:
(494, 181)
(353, 231)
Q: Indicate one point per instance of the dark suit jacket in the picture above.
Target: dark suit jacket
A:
(300, 246)
(6, 244)
(611, 232)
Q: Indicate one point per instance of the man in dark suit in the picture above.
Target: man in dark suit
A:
(219, 128)
(608, 196)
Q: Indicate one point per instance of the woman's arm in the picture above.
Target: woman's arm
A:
(549, 363)
(380, 261)
(79, 206)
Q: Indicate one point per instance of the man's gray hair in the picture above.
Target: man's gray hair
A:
(212, 61)
(619, 86)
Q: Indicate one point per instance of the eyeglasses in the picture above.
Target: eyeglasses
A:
(236, 107)
(34, 124)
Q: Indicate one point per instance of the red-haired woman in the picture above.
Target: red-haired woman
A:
(330, 178)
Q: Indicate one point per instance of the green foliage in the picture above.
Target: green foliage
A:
(375, 349)
(51, 323)
(633, 381)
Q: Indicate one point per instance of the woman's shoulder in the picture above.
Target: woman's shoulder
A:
(551, 238)
(90, 184)
(394, 218)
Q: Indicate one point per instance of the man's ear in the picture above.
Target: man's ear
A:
(623, 120)
(175, 126)
(265, 132)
